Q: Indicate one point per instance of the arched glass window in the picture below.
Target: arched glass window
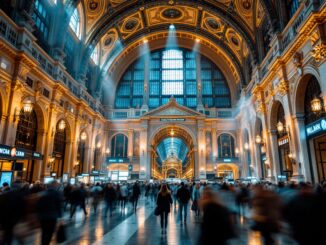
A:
(215, 90)
(172, 72)
(41, 19)
(75, 23)
(225, 146)
(59, 140)
(119, 146)
(26, 135)
(95, 55)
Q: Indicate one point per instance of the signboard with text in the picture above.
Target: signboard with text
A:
(316, 128)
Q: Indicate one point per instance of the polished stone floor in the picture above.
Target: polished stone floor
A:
(142, 227)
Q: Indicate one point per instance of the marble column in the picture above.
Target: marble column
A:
(214, 143)
(130, 143)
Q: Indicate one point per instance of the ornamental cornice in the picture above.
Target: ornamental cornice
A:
(319, 52)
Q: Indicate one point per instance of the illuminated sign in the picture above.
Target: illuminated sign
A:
(316, 127)
(172, 119)
(4, 150)
(226, 160)
(283, 141)
(118, 160)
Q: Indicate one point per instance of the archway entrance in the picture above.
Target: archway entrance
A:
(172, 154)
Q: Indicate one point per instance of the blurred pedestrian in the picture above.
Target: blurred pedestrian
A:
(109, 197)
(135, 195)
(195, 199)
(163, 202)
(49, 210)
(183, 196)
(96, 192)
(266, 213)
(306, 215)
(12, 210)
(216, 227)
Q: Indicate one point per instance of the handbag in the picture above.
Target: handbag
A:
(194, 206)
(157, 211)
(61, 234)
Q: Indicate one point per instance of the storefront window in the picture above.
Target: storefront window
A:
(59, 150)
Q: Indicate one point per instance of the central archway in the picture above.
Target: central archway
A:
(172, 154)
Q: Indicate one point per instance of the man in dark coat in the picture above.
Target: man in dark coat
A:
(183, 196)
(135, 195)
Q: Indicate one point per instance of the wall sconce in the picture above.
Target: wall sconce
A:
(28, 106)
(292, 158)
(280, 127)
(62, 125)
(172, 132)
(258, 139)
(98, 145)
(316, 105)
(76, 164)
(83, 136)
(246, 146)
(107, 151)
(142, 169)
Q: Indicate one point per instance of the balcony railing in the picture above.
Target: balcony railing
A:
(22, 40)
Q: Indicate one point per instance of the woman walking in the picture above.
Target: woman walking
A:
(164, 201)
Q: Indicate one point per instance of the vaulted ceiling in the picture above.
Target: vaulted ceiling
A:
(228, 25)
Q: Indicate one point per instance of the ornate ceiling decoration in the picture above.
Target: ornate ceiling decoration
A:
(167, 15)
(228, 23)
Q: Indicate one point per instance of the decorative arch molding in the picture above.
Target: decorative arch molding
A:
(117, 133)
(118, 167)
(272, 113)
(300, 89)
(68, 128)
(187, 129)
(218, 9)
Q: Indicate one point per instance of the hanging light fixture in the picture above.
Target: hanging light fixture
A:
(28, 106)
(280, 127)
(62, 125)
(316, 105)
(246, 146)
(258, 139)
(83, 136)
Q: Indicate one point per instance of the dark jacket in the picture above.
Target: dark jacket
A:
(216, 226)
(164, 202)
(49, 205)
(110, 194)
(135, 191)
(183, 195)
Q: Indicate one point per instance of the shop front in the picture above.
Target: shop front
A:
(18, 163)
(316, 139)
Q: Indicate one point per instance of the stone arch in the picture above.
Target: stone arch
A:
(272, 113)
(185, 128)
(300, 90)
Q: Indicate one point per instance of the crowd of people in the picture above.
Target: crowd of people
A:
(287, 208)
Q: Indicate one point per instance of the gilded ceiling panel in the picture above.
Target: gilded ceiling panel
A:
(107, 43)
(245, 10)
(94, 11)
(172, 14)
(130, 25)
(115, 3)
(212, 24)
(260, 13)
